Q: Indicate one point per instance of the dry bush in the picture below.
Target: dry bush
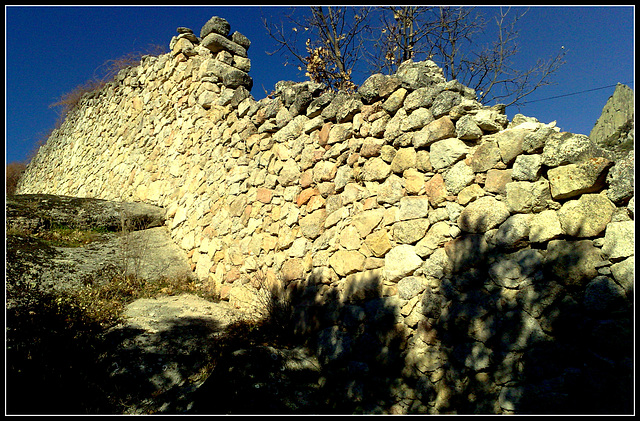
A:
(102, 75)
(14, 171)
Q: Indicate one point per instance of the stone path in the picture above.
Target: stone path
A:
(161, 352)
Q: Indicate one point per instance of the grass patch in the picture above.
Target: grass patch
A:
(64, 236)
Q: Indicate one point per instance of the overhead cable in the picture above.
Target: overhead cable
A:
(575, 93)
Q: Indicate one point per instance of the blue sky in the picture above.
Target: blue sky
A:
(51, 50)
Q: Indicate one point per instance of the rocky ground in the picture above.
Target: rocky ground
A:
(151, 359)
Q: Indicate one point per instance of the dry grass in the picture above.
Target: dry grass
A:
(102, 75)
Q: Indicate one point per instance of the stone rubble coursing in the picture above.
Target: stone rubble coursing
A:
(446, 200)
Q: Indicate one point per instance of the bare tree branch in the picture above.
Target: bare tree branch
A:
(336, 38)
(333, 44)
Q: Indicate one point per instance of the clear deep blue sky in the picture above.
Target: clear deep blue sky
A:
(51, 50)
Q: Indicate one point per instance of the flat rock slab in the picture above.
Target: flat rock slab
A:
(160, 351)
(144, 249)
(149, 254)
(164, 313)
(41, 211)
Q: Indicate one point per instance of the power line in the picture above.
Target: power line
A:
(575, 93)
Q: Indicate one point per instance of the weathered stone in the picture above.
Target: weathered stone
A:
(621, 179)
(350, 239)
(408, 235)
(240, 39)
(421, 97)
(292, 269)
(358, 287)
(575, 179)
(289, 174)
(410, 231)
(602, 294)
(527, 168)
(459, 176)
(545, 226)
(510, 143)
(527, 197)
(366, 221)
(467, 129)
(410, 287)
(394, 102)
(616, 117)
(229, 75)
(416, 120)
(444, 102)
(572, 263)
(490, 120)
(535, 299)
(483, 214)
(568, 148)
(392, 129)
(312, 225)
(345, 262)
(216, 25)
(469, 194)
(391, 191)
(216, 42)
(497, 181)
(414, 181)
(316, 106)
(624, 274)
(446, 152)
(412, 207)
(442, 128)
(437, 235)
(184, 46)
(348, 109)
(436, 190)
(339, 133)
(324, 171)
(139, 248)
(514, 232)
(586, 217)
(466, 251)
(371, 146)
(512, 270)
(378, 242)
(370, 88)
(264, 195)
(375, 169)
(619, 240)
(404, 159)
(415, 75)
(485, 157)
(338, 102)
(401, 261)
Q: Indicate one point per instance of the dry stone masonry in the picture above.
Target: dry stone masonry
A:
(493, 258)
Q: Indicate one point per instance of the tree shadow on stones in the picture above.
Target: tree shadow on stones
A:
(331, 353)
(523, 330)
(512, 328)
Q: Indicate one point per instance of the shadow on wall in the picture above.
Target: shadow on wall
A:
(508, 330)
(328, 355)
(516, 330)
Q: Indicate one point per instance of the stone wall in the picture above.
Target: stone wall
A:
(458, 261)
